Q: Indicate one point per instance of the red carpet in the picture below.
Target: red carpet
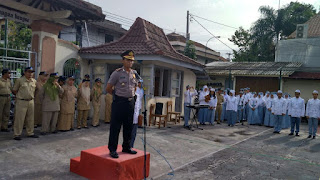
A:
(97, 164)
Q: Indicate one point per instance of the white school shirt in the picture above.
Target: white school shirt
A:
(188, 96)
(240, 101)
(213, 101)
(296, 107)
(261, 102)
(287, 103)
(202, 98)
(254, 103)
(269, 102)
(313, 108)
(231, 103)
(278, 106)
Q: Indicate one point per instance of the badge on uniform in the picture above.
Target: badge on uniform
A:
(122, 84)
(134, 76)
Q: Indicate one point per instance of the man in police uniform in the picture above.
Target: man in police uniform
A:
(24, 89)
(5, 99)
(124, 82)
(220, 101)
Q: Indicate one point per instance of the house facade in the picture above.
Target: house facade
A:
(165, 72)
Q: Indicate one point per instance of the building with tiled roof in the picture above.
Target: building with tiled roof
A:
(204, 54)
(313, 28)
(164, 70)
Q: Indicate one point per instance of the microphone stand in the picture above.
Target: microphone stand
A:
(145, 135)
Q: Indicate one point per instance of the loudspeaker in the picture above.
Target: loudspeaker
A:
(159, 107)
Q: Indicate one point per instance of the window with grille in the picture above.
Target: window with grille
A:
(72, 68)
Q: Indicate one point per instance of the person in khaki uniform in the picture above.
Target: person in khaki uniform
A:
(67, 106)
(37, 102)
(24, 89)
(220, 102)
(96, 102)
(5, 99)
(83, 105)
(49, 96)
(109, 100)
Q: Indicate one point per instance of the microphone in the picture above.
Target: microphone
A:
(137, 75)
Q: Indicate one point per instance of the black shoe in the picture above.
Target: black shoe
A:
(86, 127)
(290, 134)
(71, 129)
(218, 123)
(130, 151)
(18, 138)
(33, 136)
(63, 130)
(241, 123)
(5, 130)
(107, 122)
(309, 136)
(313, 137)
(55, 132)
(43, 133)
(274, 131)
(297, 134)
(114, 154)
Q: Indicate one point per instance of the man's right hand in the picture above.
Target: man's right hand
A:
(307, 117)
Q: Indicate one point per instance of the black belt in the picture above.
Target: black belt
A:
(4, 95)
(119, 98)
(26, 99)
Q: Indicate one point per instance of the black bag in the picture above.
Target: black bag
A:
(159, 107)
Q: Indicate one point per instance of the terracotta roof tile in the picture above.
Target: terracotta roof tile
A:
(305, 75)
(144, 38)
(313, 27)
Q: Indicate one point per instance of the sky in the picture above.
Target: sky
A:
(171, 16)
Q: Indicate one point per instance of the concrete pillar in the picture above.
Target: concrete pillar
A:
(44, 42)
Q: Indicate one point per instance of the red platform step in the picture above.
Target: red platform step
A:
(97, 164)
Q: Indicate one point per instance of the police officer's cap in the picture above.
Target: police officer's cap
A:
(62, 78)
(54, 75)
(129, 54)
(5, 71)
(87, 76)
(28, 69)
(43, 73)
(71, 77)
(98, 80)
(85, 80)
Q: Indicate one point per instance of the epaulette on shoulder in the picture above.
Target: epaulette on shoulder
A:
(119, 69)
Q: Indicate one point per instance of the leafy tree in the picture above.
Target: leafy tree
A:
(190, 50)
(258, 43)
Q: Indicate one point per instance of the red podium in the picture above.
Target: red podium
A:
(97, 164)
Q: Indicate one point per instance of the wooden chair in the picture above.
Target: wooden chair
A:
(155, 116)
(170, 113)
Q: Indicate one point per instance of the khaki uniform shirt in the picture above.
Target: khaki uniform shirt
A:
(25, 88)
(47, 103)
(39, 87)
(220, 99)
(5, 86)
(68, 99)
(124, 82)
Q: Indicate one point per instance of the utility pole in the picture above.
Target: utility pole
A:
(229, 54)
(6, 37)
(188, 34)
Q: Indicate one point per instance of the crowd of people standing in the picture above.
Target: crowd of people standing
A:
(271, 109)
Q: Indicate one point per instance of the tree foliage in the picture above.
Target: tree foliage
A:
(258, 43)
(190, 50)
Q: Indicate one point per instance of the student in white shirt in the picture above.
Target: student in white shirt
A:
(313, 114)
(212, 106)
(296, 111)
(231, 108)
(188, 95)
(241, 105)
(278, 110)
(286, 122)
(253, 111)
(261, 105)
(203, 112)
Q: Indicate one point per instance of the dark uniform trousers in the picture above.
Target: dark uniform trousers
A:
(121, 113)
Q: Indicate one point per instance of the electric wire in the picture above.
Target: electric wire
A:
(213, 21)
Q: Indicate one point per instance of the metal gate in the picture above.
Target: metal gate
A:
(16, 61)
(72, 68)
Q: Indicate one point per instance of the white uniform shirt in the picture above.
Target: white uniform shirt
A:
(188, 96)
(254, 103)
(231, 103)
(313, 108)
(287, 103)
(213, 102)
(202, 98)
(278, 106)
(261, 102)
(296, 107)
(269, 102)
(247, 97)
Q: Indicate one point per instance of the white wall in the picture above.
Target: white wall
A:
(305, 86)
(65, 51)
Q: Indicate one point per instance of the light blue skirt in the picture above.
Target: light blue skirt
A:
(211, 116)
(286, 121)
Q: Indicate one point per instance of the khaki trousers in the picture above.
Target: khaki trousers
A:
(49, 121)
(219, 111)
(96, 113)
(108, 108)
(37, 114)
(5, 104)
(82, 118)
(24, 113)
(65, 122)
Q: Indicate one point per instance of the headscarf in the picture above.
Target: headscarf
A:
(51, 89)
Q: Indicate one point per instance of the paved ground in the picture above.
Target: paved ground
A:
(217, 152)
